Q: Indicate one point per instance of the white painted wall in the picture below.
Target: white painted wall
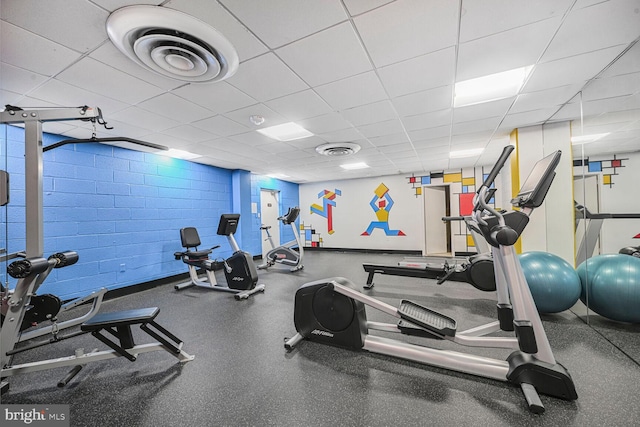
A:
(551, 228)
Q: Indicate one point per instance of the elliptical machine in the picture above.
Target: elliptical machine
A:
(239, 269)
(331, 312)
(284, 254)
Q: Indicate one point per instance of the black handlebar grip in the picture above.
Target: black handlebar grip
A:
(452, 218)
(506, 152)
(64, 259)
(26, 267)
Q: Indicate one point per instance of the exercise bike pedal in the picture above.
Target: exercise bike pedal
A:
(432, 321)
(408, 328)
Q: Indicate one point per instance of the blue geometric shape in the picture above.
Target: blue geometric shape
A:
(425, 180)
(595, 166)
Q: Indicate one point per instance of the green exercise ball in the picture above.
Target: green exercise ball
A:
(614, 287)
(554, 283)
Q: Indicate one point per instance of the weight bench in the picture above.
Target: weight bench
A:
(119, 325)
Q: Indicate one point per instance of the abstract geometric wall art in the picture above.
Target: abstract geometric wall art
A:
(381, 205)
(328, 203)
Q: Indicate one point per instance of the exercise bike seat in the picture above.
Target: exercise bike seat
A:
(191, 240)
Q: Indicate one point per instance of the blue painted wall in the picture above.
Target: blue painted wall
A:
(122, 210)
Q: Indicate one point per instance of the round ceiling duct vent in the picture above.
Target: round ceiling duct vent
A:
(172, 43)
(338, 149)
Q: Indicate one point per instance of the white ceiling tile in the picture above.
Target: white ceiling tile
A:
(424, 101)
(32, 52)
(428, 120)
(426, 27)
(519, 47)
(527, 118)
(221, 126)
(480, 19)
(388, 139)
(350, 134)
(278, 22)
(420, 73)
(108, 81)
(602, 25)
(356, 7)
(430, 133)
(79, 24)
(176, 108)
(67, 95)
(219, 97)
(316, 60)
(301, 105)
(629, 63)
(141, 118)
(390, 127)
(479, 111)
(544, 98)
(325, 123)
(626, 84)
(211, 12)
(487, 124)
(574, 70)
(353, 91)
(371, 113)
(19, 80)
(188, 133)
(271, 118)
(266, 77)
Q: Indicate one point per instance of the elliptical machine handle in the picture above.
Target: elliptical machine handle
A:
(497, 167)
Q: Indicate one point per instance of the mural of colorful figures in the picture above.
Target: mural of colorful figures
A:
(381, 203)
(607, 167)
(326, 210)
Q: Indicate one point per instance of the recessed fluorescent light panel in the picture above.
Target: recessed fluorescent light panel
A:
(286, 132)
(491, 87)
(460, 154)
(179, 154)
(354, 166)
(584, 139)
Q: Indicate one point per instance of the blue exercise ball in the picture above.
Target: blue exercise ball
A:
(614, 288)
(554, 283)
(589, 267)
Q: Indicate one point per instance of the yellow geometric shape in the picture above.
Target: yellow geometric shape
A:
(468, 181)
(381, 190)
(419, 191)
(470, 242)
(453, 177)
(606, 179)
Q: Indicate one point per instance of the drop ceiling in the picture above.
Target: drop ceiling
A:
(373, 72)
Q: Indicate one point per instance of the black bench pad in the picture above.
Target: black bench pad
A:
(120, 318)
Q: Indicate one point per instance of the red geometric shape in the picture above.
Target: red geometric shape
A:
(466, 203)
(412, 180)
(400, 233)
(616, 163)
(637, 236)
(382, 204)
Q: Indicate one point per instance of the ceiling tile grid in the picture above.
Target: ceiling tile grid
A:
(380, 73)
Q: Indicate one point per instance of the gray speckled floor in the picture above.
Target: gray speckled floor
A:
(242, 375)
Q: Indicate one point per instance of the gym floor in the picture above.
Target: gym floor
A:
(242, 376)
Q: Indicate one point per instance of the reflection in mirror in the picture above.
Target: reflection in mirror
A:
(606, 152)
